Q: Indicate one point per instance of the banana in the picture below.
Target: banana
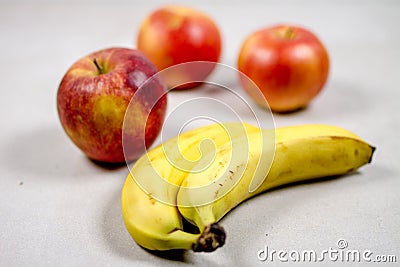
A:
(198, 180)
(148, 197)
(301, 153)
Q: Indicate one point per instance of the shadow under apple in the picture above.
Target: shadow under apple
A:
(49, 154)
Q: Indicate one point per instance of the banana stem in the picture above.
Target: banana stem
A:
(210, 239)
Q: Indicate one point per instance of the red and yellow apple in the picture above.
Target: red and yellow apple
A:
(288, 63)
(93, 98)
(173, 35)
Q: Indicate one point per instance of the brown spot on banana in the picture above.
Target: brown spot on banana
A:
(152, 200)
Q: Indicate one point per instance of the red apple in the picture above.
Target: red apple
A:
(93, 97)
(288, 63)
(175, 34)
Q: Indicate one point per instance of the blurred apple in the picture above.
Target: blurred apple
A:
(93, 97)
(176, 34)
(288, 63)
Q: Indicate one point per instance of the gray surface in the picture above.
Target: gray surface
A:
(59, 208)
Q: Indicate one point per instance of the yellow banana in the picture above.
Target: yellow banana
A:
(301, 153)
(149, 193)
(206, 180)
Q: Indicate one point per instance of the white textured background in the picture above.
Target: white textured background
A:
(57, 208)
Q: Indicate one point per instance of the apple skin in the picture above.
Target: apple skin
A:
(92, 103)
(175, 34)
(288, 63)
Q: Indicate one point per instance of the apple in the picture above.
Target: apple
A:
(93, 97)
(175, 34)
(288, 63)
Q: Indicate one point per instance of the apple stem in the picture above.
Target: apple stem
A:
(289, 33)
(99, 68)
